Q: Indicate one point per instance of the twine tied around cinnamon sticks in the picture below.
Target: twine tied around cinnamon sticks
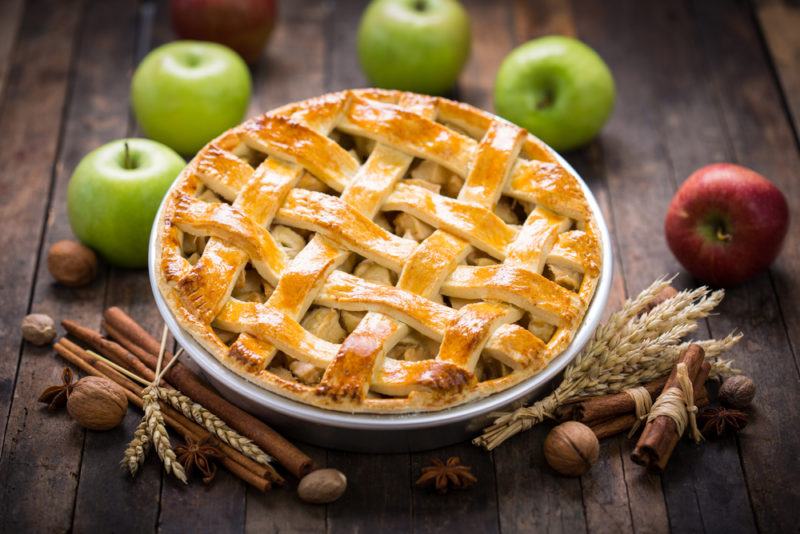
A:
(638, 345)
(643, 403)
(677, 403)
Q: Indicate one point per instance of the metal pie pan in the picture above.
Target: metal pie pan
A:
(387, 433)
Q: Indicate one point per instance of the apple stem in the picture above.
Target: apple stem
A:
(127, 163)
(722, 235)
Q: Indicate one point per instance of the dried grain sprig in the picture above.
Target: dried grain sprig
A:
(635, 345)
(158, 434)
(137, 449)
(213, 424)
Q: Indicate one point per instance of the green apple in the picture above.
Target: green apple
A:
(188, 92)
(114, 194)
(414, 45)
(557, 88)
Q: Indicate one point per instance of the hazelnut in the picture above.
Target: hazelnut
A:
(737, 391)
(71, 263)
(322, 486)
(571, 448)
(97, 403)
(38, 328)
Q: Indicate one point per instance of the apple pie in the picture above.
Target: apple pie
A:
(378, 251)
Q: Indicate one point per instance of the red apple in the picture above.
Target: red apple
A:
(726, 224)
(243, 25)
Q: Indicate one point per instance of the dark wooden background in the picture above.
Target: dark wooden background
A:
(698, 81)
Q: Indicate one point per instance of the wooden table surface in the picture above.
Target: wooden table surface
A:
(698, 81)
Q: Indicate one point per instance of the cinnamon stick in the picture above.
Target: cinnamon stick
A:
(594, 409)
(128, 332)
(108, 348)
(660, 435)
(243, 467)
(616, 424)
(662, 296)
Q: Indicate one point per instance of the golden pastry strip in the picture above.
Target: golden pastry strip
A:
(399, 127)
(532, 292)
(471, 222)
(341, 223)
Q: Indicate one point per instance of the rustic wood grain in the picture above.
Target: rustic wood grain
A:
(98, 113)
(604, 492)
(378, 497)
(9, 22)
(531, 496)
(41, 451)
(779, 22)
(760, 137)
(693, 135)
(275, 84)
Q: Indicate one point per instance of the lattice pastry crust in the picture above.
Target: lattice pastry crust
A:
(378, 251)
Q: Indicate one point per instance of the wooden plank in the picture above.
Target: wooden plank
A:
(342, 70)
(531, 496)
(475, 509)
(294, 68)
(779, 22)
(98, 114)
(378, 497)
(604, 492)
(9, 23)
(41, 451)
(299, 39)
(693, 135)
(760, 136)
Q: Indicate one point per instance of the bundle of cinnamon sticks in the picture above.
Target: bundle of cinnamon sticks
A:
(609, 415)
(134, 349)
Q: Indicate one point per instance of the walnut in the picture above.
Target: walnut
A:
(324, 323)
(350, 319)
(322, 486)
(411, 228)
(372, 272)
(571, 448)
(305, 372)
(71, 263)
(38, 329)
(737, 391)
(290, 241)
(97, 403)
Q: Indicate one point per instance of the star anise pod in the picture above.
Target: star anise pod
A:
(56, 396)
(445, 475)
(200, 454)
(720, 420)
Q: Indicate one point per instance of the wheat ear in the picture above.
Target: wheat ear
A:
(213, 424)
(137, 449)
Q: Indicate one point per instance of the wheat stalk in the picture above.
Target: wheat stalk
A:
(634, 346)
(213, 424)
(137, 448)
(158, 434)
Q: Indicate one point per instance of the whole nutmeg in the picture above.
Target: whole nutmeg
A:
(71, 263)
(97, 403)
(38, 328)
(322, 486)
(737, 391)
(571, 448)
